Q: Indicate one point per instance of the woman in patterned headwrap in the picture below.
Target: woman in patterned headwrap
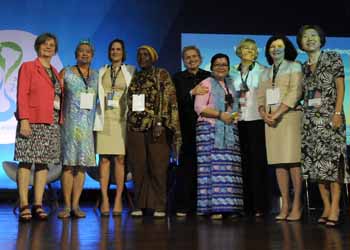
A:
(152, 127)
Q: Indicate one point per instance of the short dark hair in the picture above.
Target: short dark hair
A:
(121, 42)
(290, 53)
(191, 47)
(319, 31)
(217, 56)
(42, 38)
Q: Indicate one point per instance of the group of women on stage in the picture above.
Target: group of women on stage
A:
(288, 116)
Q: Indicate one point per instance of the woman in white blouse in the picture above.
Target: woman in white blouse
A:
(251, 128)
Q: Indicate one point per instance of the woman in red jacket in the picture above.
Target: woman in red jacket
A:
(39, 101)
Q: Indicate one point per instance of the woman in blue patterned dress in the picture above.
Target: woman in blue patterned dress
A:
(323, 136)
(80, 84)
(220, 185)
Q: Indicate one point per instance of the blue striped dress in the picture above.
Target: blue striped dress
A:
(220, 184)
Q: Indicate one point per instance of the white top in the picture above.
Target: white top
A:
(250, 112)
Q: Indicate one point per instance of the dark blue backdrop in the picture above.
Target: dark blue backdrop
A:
(136, 22)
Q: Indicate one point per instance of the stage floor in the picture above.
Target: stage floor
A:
(148, 233)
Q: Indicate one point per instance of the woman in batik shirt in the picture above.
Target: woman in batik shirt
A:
(153, 126)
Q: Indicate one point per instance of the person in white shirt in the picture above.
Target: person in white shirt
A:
(251, 128)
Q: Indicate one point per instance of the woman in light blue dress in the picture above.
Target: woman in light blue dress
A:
(80, 86)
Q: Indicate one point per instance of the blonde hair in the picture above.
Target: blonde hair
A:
(243, 43)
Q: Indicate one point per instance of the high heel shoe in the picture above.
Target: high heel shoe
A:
(332, 223)
(77, 213)
(281, 217)
(116, 213)
(297, 218)
(322, 220)
(104, 213)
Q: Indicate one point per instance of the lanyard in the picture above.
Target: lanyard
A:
(51, 75)
(244, 86)
(114, 75)
(275, 70)
(83, 78)
(228, 95)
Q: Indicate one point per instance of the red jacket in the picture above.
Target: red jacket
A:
(36, 93)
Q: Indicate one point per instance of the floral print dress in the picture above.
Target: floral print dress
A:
(323, 147)
(77, 130)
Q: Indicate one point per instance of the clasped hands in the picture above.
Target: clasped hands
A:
(228, 118)
(271, 119)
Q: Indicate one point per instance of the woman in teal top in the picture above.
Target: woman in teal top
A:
(80, 85)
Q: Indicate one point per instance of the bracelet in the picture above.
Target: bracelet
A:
(337, 113)
(235, 115)
(219, 115)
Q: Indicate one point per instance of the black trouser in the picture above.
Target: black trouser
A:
(186, 182)
(254, 165)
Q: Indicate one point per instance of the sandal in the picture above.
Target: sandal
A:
(78, 213)
(322, 220)
(39, 213)
(24, 216)
(64, 214)
(332, 223)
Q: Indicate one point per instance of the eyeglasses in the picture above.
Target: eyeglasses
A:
(220, 65)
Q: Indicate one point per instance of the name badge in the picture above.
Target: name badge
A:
(138, 102)
(57, 103)
(86, 100)
(273, 96)
(314, 99)
(242, 113)
(243, 98)
(315, 102)
(112, 101)
(112, 104)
